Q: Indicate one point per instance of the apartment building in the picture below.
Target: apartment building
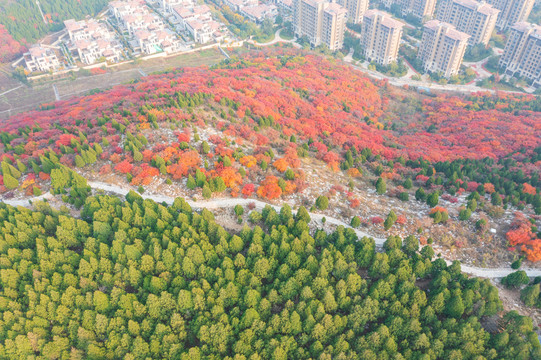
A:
(92, 41)
(380, 36)
(512, 11)
(334, 26)
(321, 21)
(355, 8)
(522, 52)
(41, 59)
(421, 9)
(476, 19)
(442, 48)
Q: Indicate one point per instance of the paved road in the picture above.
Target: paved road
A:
(405, 81)
(219, 203)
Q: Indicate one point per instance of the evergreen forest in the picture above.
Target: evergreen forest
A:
(136, 279)
(24, 22)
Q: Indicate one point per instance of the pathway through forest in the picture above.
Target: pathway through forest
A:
(231, 202)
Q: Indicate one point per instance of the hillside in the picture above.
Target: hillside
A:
(24, 23)
(261, 127)
(92, 276)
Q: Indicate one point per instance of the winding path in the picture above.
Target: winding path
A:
(491, 273)
(276, 39)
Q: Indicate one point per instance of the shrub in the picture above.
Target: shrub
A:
(322, 203)
(404, 196)
(516, 279)
(239, 210)
(381, 186)
(355, 222)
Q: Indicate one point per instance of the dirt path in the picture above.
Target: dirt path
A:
(219, 203)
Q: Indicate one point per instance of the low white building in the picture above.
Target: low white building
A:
(198, 22)
(93, 41)
(91, 51)
(86, 30)
(41, 59)
(285, 6)
(157, 41)
(120, 8)
(237, 5)
(169, 5)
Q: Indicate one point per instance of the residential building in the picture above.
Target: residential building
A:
(91, 51)
(198, 22)
(157, 41)
(355, 8)
(322, 22)
(442, 48)
(41, 59)
(144, 27)
(93, 41)
(120, 8)
(86, 30)
(421, 9)
(522, 53)
(334, 26)
(380, 36)
(476, 19)
(285, 6)
(260, 12)
(169, 5)
(512, 11)
(237, 5)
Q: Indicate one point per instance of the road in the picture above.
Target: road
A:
(218, 203)
(424, 84)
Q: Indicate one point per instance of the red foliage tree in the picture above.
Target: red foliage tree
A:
(269, 188)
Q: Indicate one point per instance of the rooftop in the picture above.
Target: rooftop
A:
(481, 7)
(334, 8)
(195, 24)
(38, 51)
(526, 26)
(258, 11)
(450, 30)
(386, 19)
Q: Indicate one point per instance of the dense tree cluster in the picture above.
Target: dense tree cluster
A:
(136, 279)
(23, 20)
(9, 47)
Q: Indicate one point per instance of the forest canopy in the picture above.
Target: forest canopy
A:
(24, 22)
(136, 279)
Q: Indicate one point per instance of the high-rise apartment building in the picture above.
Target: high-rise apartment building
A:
(421, 9)
(442, 48)
(322, 22)
(476, 19)
(512, 11)
(380, 36)
(355, 8)
(334, 26)
(522, 53)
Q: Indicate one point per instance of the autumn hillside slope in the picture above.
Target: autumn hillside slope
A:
(260, 125)
(312, 97)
